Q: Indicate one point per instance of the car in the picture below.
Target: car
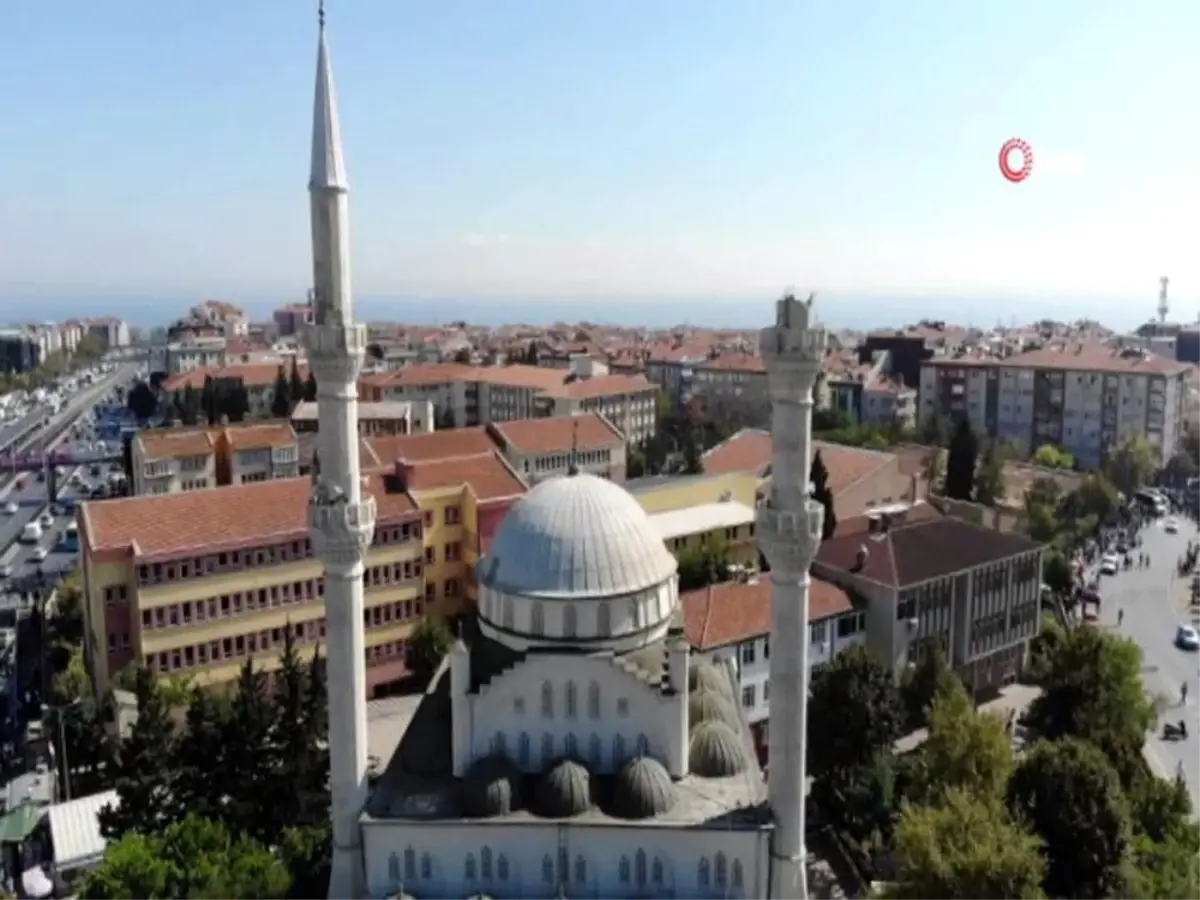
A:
(1171, 526)
(11, 508)
(40, 553)
(1110, 564)
(46, 520)
(6, 570)
(1186, 638)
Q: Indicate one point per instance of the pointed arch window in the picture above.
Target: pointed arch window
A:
(722, 872)
(537, 619)
(580, 869)
(500, 743)
(502, 867)
(548, 869)
(571, 746)
(547, 700)
(570, 622)
(704, 875)
(469, 867)
(639, 867)
(596, 751)
(410, 863)
(594, 700)
(737, 873)
(547, 748)
(618, 750)
(571, 700)
(426, 866)
(485, 862)
(643, 745)
(506, 612)
(604, 619)
(523, 750)
(656, 872)
(624, 870)
(394, 868)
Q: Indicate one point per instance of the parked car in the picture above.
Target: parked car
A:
(1186, 638)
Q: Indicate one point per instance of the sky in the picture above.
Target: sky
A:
(614, 151)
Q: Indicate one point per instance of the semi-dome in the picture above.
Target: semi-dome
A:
(564, 789)
(492, 787)
(576, 536)
(642, 789)
(709, 676)
(716, 751)
(708, 705)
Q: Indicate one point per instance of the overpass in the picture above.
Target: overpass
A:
(33, 460)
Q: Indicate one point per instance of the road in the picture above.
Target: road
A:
(1151, 618)
(10, 432)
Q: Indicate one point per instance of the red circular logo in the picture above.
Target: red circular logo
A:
(1011, 148)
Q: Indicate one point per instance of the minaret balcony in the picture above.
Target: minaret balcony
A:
(336, 352)
(340, 530)
(789, 539)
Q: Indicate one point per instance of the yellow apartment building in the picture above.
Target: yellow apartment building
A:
(689, 510)
(192, 584)
(175, 460)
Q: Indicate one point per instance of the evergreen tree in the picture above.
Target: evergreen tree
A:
(142, 766)
(310, 388)
(210, 401)
(298, 799)
(237, 402)
(821, 492)
(295, 384)
(531, 355)
(199, 753)
(428, 644)
(281, 397)
(960, 463)
(245, 773)
(189, 407)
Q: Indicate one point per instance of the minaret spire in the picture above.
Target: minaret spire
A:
(341, 515)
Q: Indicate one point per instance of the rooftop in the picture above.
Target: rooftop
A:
(702, 518)
(554, 434)
(732, 612)
(435, 445)
(488, 475)
(384, 410)
(1074, 357)
(750, 451)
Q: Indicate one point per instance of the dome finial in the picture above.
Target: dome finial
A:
(573, 467)
(321, 14)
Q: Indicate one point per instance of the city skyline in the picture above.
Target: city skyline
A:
(619, 152)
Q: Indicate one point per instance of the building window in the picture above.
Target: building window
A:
(548, 869)
(485, 862)
(618, 750)
(624, 870)
(603, 619)
(426, 866)
(722, 868)
(537, 619)
(547, 700)
(595, 751)
(410, 863)
(748, 653)
(569, 622)
(469, 867)
(594, 700)
(640, 867)
(704, 875)
(502, 867)
(580, 869)
(547, 748)
(571, 746)
(748, 696)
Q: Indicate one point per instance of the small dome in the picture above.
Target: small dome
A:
(716, 751)
(576, 536)
(710, 676)
(563, 790)
(643, 789)
(492, 787)
(708, 705)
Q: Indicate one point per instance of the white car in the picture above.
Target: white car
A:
(47, 520)
(1110, 564)
(11, 508)
(1171, 526)
(40, 553)
(1186, 638)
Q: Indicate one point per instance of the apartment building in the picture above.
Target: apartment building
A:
(673, 369)
(731, 622)
(180, 460)
(109, 330)
(375, 419)
(194, 352)
(17, 352)
(257, 378)
(1083, 398)
(929, 580)
(230, 320)
(469, 395)
(291, 319)
(544, 448)
(193, 584)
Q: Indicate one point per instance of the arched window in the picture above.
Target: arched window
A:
(571, 700)
(737, 873)
(624, 870)
(547, 700)
(500, 743)
(547, 748)
(618, 750)
(571, 746)
(722, 871)
(603, 619)
(704, 876)
(485, 862)
(548, 869)
(502, 867)
(426, 866)
(523, 750)
(640, 867)
(643, 745)
(394, 868)
(635, 613)
(537, 619)
(506, 612)
(469, 867)
(596, 751)
(410, 863)
(570, 622)
(656, 872)
(594, 700)
(580, 869)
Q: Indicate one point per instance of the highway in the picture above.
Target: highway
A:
(10, 432)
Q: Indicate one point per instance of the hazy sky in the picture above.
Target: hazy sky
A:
(529, 148)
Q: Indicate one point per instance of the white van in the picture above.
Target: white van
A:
(31, 533)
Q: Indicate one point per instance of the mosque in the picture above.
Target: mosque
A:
(568, 746)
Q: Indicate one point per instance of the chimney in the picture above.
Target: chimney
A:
(873, 523)
(860, 560)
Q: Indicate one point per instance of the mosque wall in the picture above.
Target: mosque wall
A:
(573, 858)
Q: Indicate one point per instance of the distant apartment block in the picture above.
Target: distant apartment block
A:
(257, 378)
(180, 460)
(1083, 398)
(230, 320)
(193, 353)
(870, 393)
(110, 331)
(375, 419)
(291, 319)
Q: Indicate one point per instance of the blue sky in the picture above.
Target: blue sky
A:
(625, 148)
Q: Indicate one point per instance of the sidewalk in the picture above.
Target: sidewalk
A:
(1014, 698)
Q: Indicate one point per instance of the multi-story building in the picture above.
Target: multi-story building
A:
(257, 378)
(179, 460)
(929, 580)
(291, 319)
(674, 369)
(375, 419)
(110, 331)
(229, 320)
(17, 352)
(545, 448)
(193, 353)
(193, 584)
(1082, 398)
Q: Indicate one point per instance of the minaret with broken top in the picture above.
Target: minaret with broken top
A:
(789, 527)
(341, 515)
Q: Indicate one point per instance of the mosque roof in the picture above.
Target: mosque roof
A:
(643, 789)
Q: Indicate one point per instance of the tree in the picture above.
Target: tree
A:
(819, 477)
(693, 464)
(963, 847)
(1056, 570)
(310, 388)
(1070, 796)
(989, 478)
(247, 771)
(295, 384)
(965, 749)
(235, 401)
(306, 853)
(704, 564)
(200, 751)
(859, 800)
(430, 641)
(142, 767)
(463, 356)
(1042, 499)
(921, 684)
(854, 712)
(960, 463)
(1050, 457)
(1096, 498)
(933, 467)
(1131, 463)
(531, 355)
(193, 858)
(189, 406)
(142, 402)
(299, 780)
(210, 401)
(281, 396)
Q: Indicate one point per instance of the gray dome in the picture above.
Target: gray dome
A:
(704, 675)
(708, 705)
(492, 787)
(643, 789)
(563, 790)
(576, 536)
(716, 751)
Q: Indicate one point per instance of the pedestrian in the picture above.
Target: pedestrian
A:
(1120, 617)
(1183, 694)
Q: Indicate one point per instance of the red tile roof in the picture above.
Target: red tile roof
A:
(750, 451)
(488, 476)
(558, 434)
(434, 445)
(732, 612)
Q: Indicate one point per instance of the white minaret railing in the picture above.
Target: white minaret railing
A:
(789, 527)
(341, 516)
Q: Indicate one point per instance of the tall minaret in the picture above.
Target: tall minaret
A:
(789, 530)
(341, 516)
(1163, 307)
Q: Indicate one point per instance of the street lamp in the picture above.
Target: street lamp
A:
(64, 769)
